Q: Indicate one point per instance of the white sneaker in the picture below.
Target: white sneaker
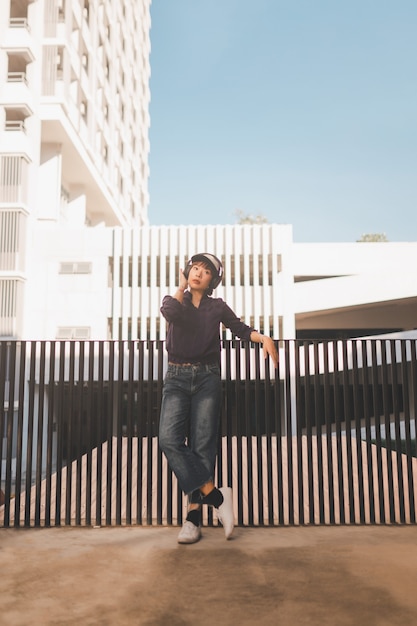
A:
(225, 512)
(189, 533)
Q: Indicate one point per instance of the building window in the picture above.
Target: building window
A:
(83, 109)
(73, 332)
(75, 267)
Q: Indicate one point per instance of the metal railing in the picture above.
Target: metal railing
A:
(17, 77)
(19, 22)
(326, 438)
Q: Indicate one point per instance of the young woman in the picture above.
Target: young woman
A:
(191, 399)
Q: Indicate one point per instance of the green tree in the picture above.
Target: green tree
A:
(370, 237)
(244, 218)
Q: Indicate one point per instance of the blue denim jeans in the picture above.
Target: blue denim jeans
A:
(189, 422)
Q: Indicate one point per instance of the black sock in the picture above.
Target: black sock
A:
(214, 498)
(194, 516)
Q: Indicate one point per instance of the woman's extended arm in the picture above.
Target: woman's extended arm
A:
(268, 345)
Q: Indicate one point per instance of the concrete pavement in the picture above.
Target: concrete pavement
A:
(335, 576)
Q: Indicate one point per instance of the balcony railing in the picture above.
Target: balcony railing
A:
(19, 22)
(14, 125)
(17, 77)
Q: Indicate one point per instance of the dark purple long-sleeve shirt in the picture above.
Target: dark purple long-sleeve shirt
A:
(194, 333)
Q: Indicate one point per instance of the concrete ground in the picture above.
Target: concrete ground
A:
(139, 575)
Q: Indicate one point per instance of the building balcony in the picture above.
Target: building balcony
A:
(19, 38)
(17, 93)
(14, 139)
(13, 183)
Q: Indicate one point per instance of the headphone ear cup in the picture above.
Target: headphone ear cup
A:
(216, 282)
(186, 270)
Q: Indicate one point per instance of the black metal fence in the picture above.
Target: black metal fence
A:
(327, 438)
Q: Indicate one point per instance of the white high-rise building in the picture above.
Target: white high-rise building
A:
(74, 122)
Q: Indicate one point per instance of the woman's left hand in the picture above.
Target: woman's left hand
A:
(268, 347)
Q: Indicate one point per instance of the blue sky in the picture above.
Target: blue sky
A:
(303, 111)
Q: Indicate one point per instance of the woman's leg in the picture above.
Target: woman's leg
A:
(204, 418)
(204, 426)
(174, 427)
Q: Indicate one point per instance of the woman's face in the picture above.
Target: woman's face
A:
(200, 276)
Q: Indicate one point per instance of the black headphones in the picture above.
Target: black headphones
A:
(214, 264)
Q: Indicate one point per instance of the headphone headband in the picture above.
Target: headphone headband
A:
(214, 264)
